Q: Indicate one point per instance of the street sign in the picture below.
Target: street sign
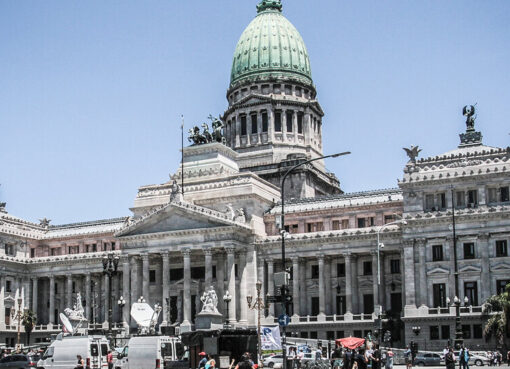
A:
(284, 320)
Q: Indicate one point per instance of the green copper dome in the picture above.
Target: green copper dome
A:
(270, 48)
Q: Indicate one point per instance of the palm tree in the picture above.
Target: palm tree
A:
(498, 325)
(29, 321)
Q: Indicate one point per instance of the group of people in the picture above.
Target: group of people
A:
(360, 358)
(496, 358)
(207, 362)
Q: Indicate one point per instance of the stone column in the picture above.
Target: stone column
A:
(354, 280)
(186, 253)
(2, 299)
(243, 288)
(88, 299)
(327, 285)
(208, 267)
(483, 246)
(302, 285)
(422, 244)
(52, 300)
(165, 295)
(410, 297)
(348, 282)
(134, 279)
(125, 291)
(295, 285)
(220, 281)
(35, 286)
(145, 277)
(231, 284)
(374, 282)
(322, 292)
(270, 283)
(69, 291)
(106, 289)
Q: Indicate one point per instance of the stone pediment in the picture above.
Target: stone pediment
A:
(501, 266)
(437, 270)
(179, 216)
(470, 268)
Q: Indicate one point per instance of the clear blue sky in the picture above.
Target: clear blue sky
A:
(91, 92)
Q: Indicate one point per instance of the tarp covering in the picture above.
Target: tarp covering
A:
(350, 342)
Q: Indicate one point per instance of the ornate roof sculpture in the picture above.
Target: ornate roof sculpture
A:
(270, 48)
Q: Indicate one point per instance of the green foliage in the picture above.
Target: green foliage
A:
(498, 324)
(29, 320)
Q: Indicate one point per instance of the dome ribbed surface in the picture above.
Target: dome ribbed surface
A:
(269, 48)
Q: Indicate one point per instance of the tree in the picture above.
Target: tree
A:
(29, 321)
(498, 325)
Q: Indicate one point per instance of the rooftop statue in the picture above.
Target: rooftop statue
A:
(412, 152)
(44, 222)
(198, 138)
(469, 112)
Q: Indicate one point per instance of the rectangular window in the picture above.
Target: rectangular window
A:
(288, 90)
(9, 250)
(113, 246)
(243, 125)
(358, 333)
(469, 250)
(197, 272)
(445, 332)
(32, 253)
(477, 331)
(335, 225)
(437, 253)
(345, 223)
(434, 332)
(389, 218)
(501, 248)
(472, 198)
(315, 306)
(176, 274)
(290, 123)
(340, 270)
(396, 304)
(8, 286)
(439, 295)
(152, 277)
(471, 292)
(429, 202)
(278, 121)
(500, 285)
(315, 271)
(254, 128)
(442, 200)
(367, 268)
(504, 194)
(300, 123)
(361, 222)
(214, 271)
(94, 247)
(264, 121)
(395, 266)
(460, 199)
(298, 91)
(315, 227)
(341, 305)
(368, 304)
(466, 331)
(53, 251)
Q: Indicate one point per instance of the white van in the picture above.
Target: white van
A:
(62, 352)
(152, 352)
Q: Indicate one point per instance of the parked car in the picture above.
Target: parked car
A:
(478, 360)
(271, 360)
(18, 361)
(427, 359)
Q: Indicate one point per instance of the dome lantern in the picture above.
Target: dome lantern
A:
(269, 5)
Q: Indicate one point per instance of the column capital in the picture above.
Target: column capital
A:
(408, 243)
(208, 251)
(186, 252)
(421, 241)
(373, 252)
(230, 250)
(145, 256)
(321, 256)
(347, 255)
(484, 236)
(295, 259)
(165, 253)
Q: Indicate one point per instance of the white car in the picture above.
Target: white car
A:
(270, 361)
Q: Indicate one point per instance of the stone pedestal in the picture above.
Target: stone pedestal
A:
(207, 321)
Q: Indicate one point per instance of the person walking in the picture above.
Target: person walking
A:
(389, 359)
(408, 357)
(245, 362)
(337, 357)
(211, 363)
(203, 360)
(109, 359)
(81, 363)
(449, 359)
(464, 358)
(376, 357)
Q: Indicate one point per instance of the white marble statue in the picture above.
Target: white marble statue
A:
(210, 301)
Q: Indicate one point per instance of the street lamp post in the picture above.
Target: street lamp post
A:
(379, 247)
(258, 305)
(227, 298)
(282, 232)
(18, 316)
(110, 266)
(121, 303)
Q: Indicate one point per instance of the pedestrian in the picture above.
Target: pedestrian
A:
(361, 360)
(337, 357)
(109, 359)
(464, 358)
(376, 357)
(318, 353)
(203, 360)
(508, 358)
(211, 363)
(300, 356)
(389, 359)
(81, 363)
(244, 363)
(407, 357)
(449, 359)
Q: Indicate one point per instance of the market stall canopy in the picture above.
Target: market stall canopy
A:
(351, 342)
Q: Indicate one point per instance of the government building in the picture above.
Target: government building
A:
(222, 226)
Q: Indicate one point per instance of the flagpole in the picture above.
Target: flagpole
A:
(182, 155)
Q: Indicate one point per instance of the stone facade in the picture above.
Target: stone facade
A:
(221, 230)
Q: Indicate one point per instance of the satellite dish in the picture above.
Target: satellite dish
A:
(142, 313)
(67, 324)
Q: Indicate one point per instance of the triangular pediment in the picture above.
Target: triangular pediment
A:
(437, 270)
(501, 266)
(178, 216)
(470, 268)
